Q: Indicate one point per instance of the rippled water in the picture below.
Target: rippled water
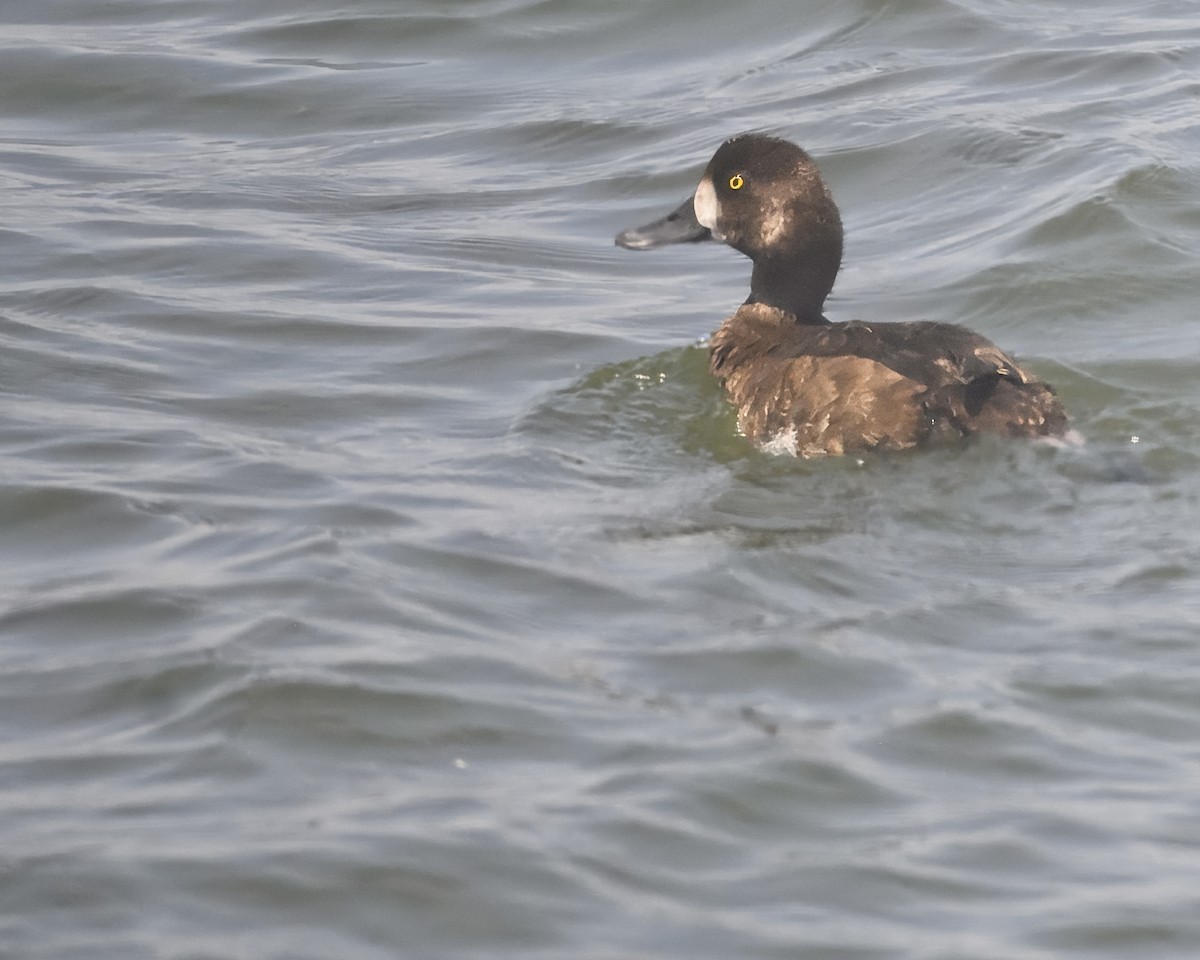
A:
(381, 574)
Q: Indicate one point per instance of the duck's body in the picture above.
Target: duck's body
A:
(834, 388)
(818, 388)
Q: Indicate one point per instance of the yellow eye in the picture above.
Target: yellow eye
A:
(736, 181)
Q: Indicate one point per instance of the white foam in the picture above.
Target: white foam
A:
(782, 444)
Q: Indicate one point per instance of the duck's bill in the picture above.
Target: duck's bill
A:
(678, 226)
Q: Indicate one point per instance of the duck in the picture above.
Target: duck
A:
(812, 387)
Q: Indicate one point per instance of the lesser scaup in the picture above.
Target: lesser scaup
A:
(818, 388)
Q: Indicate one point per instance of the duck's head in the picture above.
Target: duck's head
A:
(764, 197)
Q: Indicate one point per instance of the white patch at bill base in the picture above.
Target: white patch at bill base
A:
(706, 206)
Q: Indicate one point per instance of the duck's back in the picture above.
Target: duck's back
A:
(833, 388)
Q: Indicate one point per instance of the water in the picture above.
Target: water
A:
(381, 574)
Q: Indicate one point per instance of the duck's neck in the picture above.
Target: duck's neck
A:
(796, 285)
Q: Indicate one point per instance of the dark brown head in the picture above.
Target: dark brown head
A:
(764, 197)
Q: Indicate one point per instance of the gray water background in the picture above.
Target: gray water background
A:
(381, 574)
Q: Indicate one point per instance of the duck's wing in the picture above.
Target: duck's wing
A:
(932, 354)
(971, 385)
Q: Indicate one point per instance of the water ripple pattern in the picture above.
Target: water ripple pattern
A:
(382, 575)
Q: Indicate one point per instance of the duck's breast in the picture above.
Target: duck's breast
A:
(792, 395)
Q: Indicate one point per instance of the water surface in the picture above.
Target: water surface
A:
(381, 574)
